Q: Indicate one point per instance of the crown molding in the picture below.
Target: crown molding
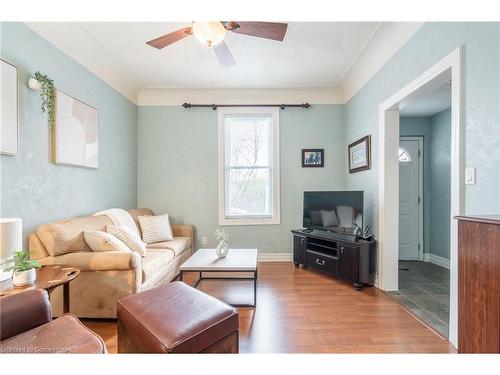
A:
(382, 46)
(87, 52)
(178, 96)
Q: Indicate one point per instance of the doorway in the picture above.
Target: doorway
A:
(410, 198)
(449, 68)
(424, 208)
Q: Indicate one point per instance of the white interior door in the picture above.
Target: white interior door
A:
(409, 186)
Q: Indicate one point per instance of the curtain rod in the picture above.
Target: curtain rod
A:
(214, 106)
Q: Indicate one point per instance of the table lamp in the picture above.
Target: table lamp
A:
(11, 238)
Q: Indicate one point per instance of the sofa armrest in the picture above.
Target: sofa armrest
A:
(183, 230)
(23, 311)
(97, 261)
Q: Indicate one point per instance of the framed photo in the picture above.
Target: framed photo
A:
(313, 157)
(359, 155)
(76, 133)
(9, 128)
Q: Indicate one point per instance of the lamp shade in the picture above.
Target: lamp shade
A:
(11, 236)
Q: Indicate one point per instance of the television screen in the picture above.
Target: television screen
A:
(335, 211)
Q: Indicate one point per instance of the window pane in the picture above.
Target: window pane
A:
(404, 156)
(249, 192)
(248, 141)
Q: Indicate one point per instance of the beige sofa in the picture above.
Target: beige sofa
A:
(106, 276)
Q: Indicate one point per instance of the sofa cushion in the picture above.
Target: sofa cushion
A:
(155, 260)
(178, 245)
(67, 236)
(37, 250)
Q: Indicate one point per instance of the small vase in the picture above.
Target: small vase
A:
(34, 84)
(21, 278)
(222, 249)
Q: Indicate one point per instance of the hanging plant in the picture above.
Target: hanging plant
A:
(48, 95)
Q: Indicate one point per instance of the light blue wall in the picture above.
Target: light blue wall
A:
(39, 191)
(422, 126)
(481, 42)
(436, 131)
(441, 183)
(177, 170)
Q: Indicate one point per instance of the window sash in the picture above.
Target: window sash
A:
(269, 195)
(272, 215)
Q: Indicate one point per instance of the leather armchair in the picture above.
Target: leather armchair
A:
(26, 326)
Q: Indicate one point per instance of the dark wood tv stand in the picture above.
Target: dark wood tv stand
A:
(336, 254)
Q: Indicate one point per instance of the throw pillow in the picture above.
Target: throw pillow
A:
(128, 237)
(155, 228)
(102, 241)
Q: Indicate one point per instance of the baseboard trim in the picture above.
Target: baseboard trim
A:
(437, 260)
(275, 257)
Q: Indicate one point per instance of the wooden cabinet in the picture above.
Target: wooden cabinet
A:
(479, 284)
(336, 254)
(349, 262)
(299, 250)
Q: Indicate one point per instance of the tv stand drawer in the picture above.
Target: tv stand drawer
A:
(323, 262)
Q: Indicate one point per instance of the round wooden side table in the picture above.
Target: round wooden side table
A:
(48, 278)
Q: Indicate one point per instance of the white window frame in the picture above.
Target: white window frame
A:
(276, 213)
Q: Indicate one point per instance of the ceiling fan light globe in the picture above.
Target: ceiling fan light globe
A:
(209, 33)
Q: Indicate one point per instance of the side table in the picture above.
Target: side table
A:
(48, 278)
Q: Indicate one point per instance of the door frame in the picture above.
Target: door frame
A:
(421, 202)
(441, 72)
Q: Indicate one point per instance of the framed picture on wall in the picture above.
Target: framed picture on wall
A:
(359, 155)
(313, 157)
(9, 128)
(76, 135)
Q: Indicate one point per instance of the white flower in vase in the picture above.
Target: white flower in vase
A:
(222, 248)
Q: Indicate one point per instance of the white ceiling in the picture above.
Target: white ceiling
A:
(434, 102)
(313, 54)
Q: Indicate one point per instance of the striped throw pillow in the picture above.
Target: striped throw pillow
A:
(101, 241)
(128, 237)
(155, 228)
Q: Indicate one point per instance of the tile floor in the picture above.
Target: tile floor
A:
(424, 289)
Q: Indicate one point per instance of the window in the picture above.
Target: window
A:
(404, 156)
(249, 166)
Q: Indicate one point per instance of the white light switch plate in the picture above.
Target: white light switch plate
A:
(470, 176)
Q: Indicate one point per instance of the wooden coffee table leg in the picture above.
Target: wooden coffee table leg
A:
(66, 298)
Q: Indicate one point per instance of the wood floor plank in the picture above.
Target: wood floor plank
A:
(302, 311)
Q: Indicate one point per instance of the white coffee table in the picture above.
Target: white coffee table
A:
(237, 260)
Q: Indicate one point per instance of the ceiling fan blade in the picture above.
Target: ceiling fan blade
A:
(170, 38)
(224, 56)
(268, 30)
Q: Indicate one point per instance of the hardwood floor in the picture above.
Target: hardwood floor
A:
(302, 311)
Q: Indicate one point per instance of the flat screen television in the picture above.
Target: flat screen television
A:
(334, 211)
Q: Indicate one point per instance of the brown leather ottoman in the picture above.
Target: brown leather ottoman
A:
(175, 318)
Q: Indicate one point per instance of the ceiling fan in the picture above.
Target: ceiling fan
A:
(212, 34)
